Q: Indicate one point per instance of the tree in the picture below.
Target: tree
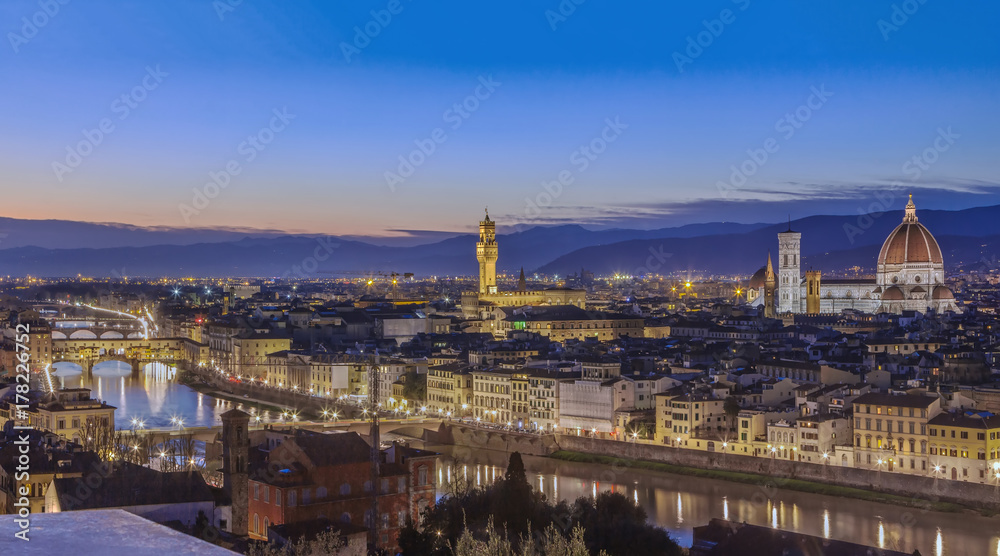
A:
(415, 386)
(614, 524)
(509, 510)
(111, 444)
(548, 543)
(513, 502)
(327, 543)
(732, 409)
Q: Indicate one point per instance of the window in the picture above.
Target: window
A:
(401, 518)
(256, 523)
(256, 491)
(401, 484)
(267, 496)
(368, 486)
(345, 489)
(422, 474)
(291, 498)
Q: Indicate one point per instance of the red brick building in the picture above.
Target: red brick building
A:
(312, 475)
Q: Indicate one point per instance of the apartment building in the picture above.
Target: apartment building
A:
(890, 431)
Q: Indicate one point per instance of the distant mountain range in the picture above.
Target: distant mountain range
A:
(64, 248)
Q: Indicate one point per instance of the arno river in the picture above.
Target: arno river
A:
(153, 396)
(677, 503)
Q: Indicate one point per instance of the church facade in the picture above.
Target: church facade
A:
(909, 277)
(489, 295)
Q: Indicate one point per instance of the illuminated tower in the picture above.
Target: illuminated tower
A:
(769, 283)
(812, 291)
(789, 279)
(486, 252)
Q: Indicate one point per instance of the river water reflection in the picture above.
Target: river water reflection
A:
(153, 396)
(680, 503)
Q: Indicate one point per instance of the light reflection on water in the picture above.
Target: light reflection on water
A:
(151, 396)
(680, 503)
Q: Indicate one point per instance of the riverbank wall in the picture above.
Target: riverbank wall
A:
(773, 473)
(273, 396)
(490, 439)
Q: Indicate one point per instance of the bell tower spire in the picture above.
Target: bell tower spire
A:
(487, 254)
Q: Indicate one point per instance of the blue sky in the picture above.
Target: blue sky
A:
(211, 74)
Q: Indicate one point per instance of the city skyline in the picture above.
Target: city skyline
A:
(451, 278)
(750, 125)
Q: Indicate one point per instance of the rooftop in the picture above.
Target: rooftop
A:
(105, 532)
(893, 400)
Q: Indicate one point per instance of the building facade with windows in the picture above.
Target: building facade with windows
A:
(890, 432)
(965, 446)
(310, 476)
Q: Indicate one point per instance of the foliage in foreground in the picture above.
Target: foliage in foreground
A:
(326, 543)
(550, 543)
(510, 518)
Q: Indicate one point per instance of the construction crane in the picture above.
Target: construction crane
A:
(394, 276)
(376, 450)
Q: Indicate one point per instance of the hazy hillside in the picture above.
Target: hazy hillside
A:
(828, 243)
